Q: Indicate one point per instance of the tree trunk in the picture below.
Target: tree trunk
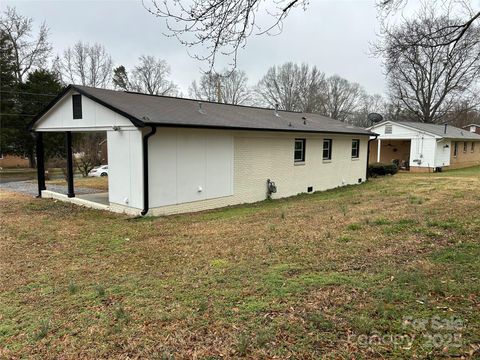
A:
(32, 163)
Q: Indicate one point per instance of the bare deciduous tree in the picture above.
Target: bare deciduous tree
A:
(30, 52)
(150, 76)
(427, 80)
(229, 87)
(292, 87)
(207, 88)
(85, 64)
(342, 98)
(451, 34)
(234, 89)
(88, 152)
(368, 104)
(311, 89)
(220, 26)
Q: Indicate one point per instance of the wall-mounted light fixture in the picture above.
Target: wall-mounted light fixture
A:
(115, 128)
(446, 146)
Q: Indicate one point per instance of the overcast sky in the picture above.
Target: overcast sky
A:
(333, 35)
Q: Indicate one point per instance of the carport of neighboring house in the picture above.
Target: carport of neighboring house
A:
(391, 150)
(71, 118)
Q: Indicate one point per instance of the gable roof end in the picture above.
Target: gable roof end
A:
(133, 119)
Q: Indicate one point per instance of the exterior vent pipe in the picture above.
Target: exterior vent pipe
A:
(445, 130)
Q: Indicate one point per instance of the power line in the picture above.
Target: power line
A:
(3, 114)
(27, 93)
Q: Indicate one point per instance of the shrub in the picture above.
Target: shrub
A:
(381, 169)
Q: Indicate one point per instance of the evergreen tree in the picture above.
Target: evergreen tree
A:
(8, 101)
(34, 95)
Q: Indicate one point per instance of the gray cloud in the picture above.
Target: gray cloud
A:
(334, 35)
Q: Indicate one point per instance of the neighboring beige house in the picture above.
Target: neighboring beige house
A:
(171, 155)
(475, 128)
(424, 147)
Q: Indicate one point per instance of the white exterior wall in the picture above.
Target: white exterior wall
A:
(442, 154)
(398, 132)
(422, 151)
(189, 165)
(125, 168)
(95, 117)
(257, 156)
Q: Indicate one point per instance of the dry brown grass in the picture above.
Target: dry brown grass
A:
(278, 279)
(99, 183)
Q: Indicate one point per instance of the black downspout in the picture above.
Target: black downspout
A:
(40, 164)
(368, 154)
(68, 145)
(145, 170)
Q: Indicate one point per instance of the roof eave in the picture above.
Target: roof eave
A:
(200, 126)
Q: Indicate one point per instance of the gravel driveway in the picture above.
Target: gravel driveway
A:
(30, 188)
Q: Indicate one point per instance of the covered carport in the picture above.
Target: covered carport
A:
(74, 112)
(391, 150)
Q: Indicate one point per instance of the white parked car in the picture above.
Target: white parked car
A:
(99, 171)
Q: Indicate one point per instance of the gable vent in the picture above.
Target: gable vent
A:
(388, 129)
(77, 106)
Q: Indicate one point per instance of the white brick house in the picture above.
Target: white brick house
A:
(171, 155)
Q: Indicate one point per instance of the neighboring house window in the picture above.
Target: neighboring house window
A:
(465, 146)
(473, 146)
(355, 148)
(77, 106)
(455, 149)
(388, 129)
(327, 149)
(299, 152)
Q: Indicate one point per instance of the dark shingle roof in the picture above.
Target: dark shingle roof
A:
(145, 110)
(439, 130)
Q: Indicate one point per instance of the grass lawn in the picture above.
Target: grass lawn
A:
(99, 183)
(387, 269)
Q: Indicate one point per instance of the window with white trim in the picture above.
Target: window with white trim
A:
(327, 149)
(465, 146)
(299, 151)
(355, 148)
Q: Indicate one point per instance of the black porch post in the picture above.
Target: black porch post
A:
(68, 145)
(40, 164)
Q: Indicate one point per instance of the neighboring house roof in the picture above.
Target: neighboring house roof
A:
(466, 126)
(437, 130)
(154, 110)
